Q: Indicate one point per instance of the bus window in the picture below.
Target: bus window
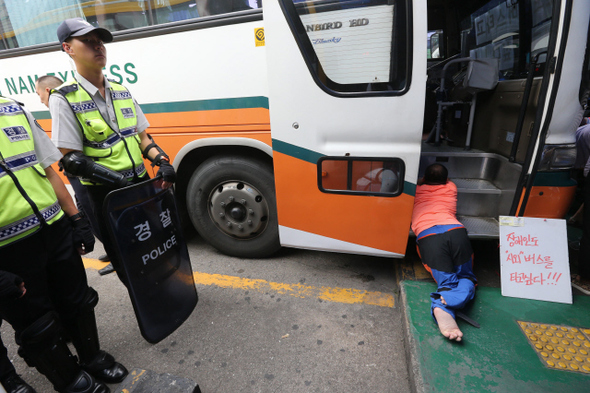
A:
(180, 10)
(499, 34)
(435, 45)
(332, 35)
(34, 22)
(27, 23)
(116, 15)
(353, 175)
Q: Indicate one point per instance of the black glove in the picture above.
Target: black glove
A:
(167, 172)
(10, 286)
(82, 234)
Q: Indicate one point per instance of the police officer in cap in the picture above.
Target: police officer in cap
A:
(98, 126)
(42, 236)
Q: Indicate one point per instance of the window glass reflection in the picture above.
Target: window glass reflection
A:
(33, 22)
(361, 175)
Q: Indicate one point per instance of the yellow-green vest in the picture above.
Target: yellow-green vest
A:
(18, 219)
(118, 151)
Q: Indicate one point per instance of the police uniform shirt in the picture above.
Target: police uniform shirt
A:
(66, 132)
(45, 150)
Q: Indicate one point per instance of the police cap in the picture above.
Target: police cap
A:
(76, 27)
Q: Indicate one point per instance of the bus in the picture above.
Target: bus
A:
(307, 123)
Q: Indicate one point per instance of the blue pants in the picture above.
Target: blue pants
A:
(447, 254)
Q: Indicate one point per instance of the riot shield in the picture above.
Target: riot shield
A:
(144, 228)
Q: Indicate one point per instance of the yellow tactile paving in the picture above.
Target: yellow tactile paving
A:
(559, 347)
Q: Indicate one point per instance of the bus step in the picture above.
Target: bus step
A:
(477, 197)
(480, 227)
(476, 186)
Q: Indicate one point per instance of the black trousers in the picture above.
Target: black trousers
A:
(53, 274)
(584, 253)
(97, 195)
(85, 204)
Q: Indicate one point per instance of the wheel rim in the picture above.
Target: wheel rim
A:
(238, 209)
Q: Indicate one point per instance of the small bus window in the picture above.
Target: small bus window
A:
(354, 175)
(353, 45)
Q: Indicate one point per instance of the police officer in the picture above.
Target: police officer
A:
(98, 126)
(42, 236)
(43, 87)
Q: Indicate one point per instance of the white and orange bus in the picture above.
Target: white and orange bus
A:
(307, 123)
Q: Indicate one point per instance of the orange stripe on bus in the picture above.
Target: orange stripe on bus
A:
(377, 222)
(258, 117)
(549, 202)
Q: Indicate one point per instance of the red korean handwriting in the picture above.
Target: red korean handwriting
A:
(534, 258)
(522, 240)
(532, 279)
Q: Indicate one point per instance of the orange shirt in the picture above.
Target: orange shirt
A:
(434, 205)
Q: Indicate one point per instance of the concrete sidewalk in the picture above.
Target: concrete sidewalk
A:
(499, 357)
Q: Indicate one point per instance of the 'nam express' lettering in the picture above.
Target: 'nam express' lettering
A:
(26, 84)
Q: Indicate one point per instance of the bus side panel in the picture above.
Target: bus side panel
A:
(549, 202)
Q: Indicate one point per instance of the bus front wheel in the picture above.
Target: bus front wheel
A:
(231, 202)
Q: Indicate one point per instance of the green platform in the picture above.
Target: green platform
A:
(495, 358)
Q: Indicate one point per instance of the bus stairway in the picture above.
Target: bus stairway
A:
(477, 207)
(485, 185)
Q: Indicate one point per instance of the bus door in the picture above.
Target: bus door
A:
(563, 98)
(346, 98)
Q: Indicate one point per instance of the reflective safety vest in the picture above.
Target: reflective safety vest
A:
(118, 151)
(27, 199)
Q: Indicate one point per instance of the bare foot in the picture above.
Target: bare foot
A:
(447, 325)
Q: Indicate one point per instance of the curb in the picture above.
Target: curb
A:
(412, 363)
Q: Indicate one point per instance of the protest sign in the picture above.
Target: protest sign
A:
(534, 260)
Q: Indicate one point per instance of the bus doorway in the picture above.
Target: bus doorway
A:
(509, 147)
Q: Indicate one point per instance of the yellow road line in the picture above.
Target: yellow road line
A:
(338, 295)
(95, 264)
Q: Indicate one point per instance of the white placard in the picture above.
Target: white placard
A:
(534, 260)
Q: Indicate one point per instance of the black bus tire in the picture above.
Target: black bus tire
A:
(232, 204)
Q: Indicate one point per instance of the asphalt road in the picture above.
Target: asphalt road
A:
(301, 321)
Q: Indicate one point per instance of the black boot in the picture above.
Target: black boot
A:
(85, 383)
(82, 328)
(43, 348)
(104, 367)
(13, 383)
(106, 270)
(104, 258)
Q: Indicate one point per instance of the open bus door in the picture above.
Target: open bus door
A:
(346, 97)
(562, 100)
